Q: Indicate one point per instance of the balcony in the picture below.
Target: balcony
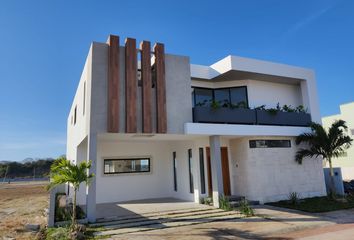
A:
(202, 114)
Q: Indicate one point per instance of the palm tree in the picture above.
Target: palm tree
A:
(326, 144)
(63, 171)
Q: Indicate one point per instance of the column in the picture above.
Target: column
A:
(91, 189)
(216, 169)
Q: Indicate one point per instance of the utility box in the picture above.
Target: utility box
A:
(338, 180)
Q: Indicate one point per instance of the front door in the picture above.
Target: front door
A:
(225, 171)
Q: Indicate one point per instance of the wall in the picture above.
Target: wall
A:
(270, 174)
(346, 162)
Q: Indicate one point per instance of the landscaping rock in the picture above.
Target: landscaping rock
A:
(32, 227)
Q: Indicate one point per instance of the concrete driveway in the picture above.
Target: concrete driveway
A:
(270, 223)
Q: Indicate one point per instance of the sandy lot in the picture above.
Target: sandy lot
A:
(21, 204)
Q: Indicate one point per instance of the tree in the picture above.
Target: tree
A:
(326, 144)
(63, 171)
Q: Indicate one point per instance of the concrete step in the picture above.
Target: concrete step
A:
(143, 219)
(238, 203)
(169, 222)
(109, 220)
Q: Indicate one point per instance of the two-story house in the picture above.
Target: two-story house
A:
(156, 126)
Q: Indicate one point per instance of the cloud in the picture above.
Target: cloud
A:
(308, 20)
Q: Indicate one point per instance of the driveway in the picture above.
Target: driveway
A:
(270, 223)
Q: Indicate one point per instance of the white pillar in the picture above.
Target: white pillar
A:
(91, 189)
(216, 169)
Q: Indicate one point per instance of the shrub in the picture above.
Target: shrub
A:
(224, 203)
(294, 198)
(206, 200)
(245, 208)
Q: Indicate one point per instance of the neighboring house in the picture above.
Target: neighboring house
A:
(345, 162)
(150, 123)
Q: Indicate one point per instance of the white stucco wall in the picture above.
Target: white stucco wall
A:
(346, 162)
(270, 174)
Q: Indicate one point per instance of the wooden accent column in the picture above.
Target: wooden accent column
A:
(146, 86)
(159, 50)
(131, 85)
(113, 84)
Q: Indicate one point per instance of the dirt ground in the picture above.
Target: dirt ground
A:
(21, 204)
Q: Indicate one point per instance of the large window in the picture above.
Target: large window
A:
(191, 184)
(202, 172)
(232, 97)
(130, 165)
(270, 144)
(174, 171)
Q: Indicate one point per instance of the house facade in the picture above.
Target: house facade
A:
(156, 126)
(345, 162)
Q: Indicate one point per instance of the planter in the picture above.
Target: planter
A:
(224, 115)
(283, 118)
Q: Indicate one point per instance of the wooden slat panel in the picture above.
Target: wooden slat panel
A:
(113, 84)
(225, 171)
(159, 50)
(146, 86)
(131, 85)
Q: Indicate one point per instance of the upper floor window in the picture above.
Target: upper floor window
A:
(270, 144)
(75, 112)
(226, 97)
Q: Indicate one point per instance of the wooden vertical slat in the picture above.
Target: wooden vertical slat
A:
(146, 86)
(131, 85)
(113, 84)
(159, 50)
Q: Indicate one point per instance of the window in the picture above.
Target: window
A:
(75, 110)
(203, 96)
(84, 100)
(202, 172)
(174, 172)
(222, 96)
(191, 185)
(237, 96)
(270, 144)
(131, 165)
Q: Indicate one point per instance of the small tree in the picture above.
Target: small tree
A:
(326, 144)
(63, 171)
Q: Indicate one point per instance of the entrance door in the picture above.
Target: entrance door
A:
(225, 171)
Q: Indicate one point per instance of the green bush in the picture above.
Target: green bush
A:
(224, 203)
(245, 208)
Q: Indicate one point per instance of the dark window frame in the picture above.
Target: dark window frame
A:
(75, 115)
(202, 170)
(174, 162)
(125, 159)
(191, 182)
(222, 88)
(253, 143)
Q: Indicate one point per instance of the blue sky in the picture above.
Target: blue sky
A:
(43, 46)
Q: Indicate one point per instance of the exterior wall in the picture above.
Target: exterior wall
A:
(346, 163)
(270, 174)
(77, 132)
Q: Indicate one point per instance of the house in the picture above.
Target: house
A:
(345, 162)
(156, 126)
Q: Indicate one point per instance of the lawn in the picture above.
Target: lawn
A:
(317, 204)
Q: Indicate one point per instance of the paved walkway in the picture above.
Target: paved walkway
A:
(270, 223)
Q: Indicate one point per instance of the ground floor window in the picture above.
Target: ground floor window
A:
(270, 143)
(130, 165)
(202, 174)
(191, 184)
(174, 172)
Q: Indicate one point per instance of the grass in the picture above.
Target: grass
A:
(317, 204)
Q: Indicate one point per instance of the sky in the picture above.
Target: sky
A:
(43, 46)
